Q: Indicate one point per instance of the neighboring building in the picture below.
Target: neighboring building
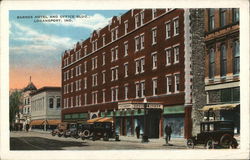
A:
(46, 108)
(222, 74)
(24, 115)
(144, 53)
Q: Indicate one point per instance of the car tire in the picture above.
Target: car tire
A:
(59, 135)
(233, 144)
(86, 133)
(190, 143)
(209, 144)
(225, 140)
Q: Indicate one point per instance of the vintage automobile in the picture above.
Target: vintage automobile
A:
(60, 129)
(214, 133)
(99, 128)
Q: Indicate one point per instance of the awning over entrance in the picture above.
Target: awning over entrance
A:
(220, 107)
(37, 122)
(100, 119)
(53, 122)
(174, 110)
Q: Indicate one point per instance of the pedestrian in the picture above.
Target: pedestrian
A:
(168, 132)
(137, 130)
(27, 127)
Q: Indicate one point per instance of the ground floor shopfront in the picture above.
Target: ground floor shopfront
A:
(44, 124)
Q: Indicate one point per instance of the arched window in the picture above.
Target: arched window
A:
(223, 60)
(211, 63)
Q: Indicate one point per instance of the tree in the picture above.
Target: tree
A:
(14, 103)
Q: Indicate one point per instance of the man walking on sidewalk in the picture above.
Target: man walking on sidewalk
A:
(137, 130)
(168, 132)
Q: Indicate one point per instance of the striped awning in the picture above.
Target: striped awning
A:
(100, 119)
(220, 107)
(94, 120)
(47, 122)
(36, 122)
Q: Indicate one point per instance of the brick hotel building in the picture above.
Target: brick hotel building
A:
(144, 53)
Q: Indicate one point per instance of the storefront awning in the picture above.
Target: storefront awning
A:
(53, 122)
(36, 122)
(174, 110)
(100, 119)
(220, 107)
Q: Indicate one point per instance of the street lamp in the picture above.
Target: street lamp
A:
(145, 134)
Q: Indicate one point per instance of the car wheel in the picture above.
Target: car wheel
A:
(53, 134)
(190, 143)
(209, 144)
(225, 140)
(86, 133)
(59, 135)
(233, 144)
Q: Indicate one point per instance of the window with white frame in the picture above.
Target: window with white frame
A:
(177, 83)
(168, 56)
(154, 36)
(169, 83)
(85, 66)
(112, 54)
(114, 94)
(154, 86)
(142, 88)
(114, 34)
(94, 80)
(72, 70)
(76, 101)
(126, 27)
(85, 83)
(67, 88)
(85, 50)
(94, 97)
(80, 86)
(154, 13)
(80, 69)
(142, 63)
(176, 54)
(94, 45)
(168, 30)
(71, 86)
(114, 73)
(125, 48)
(71, 102)
(94, 63)
(116, 53)
(125, 69)
(85, 98)
(126, 92)
(103, 40)
(137, 89)
(64, 89)
(142, 17)
(80, 100)
(76, 84)
(137, 43)
(103, 96)
(137, 21)
(154, 60)
(176, 26)
(142, 41)
(139, 65)
(103, 59)
(103, 77)
(64, 103)
(76, 70)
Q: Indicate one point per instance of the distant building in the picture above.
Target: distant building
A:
(46, 108)
(222, 73)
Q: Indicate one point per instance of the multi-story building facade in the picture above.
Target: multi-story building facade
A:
(223, 62)
(144, 53)
(46, 108)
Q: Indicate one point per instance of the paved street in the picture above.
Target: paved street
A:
(45, 141)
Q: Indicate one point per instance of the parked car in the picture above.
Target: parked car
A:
(60, 129)
(86, 130)
(72, 130)
(214, 133)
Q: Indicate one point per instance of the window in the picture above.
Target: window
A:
(85, 50)
(85, 66)
(80, 100)
(139, 65)
(64, 103)
(94, 80)
(94, 63)
(103, 96)
(236, 57)
(71, 86)
(85, 83)
(168, 56)
(114, 54)
(126, 27)
(154, 86)
(137, 43)
(125, 69)
(103, 59)
(67, 88)
(154, 13)
(154, 60)
(51, 102)
(94, 45)
(236, 15)
(80, 69)
(211, 19)
(76, 70)
(114, 94)
(176, 27)
(177, 83)
(64, 89)
(137, 21)
(126, 92)
(76, 82)
(142, 41)
(114, 72)
(80, 82)
(94, 97)
(154, 34)
(169, 84)
(168, 30)
(85, 98)
(223, 60)
(125, 48)
(114, 34)
(176, 54)
(103, 77)
(76, 101)
(142, 89)
(72, 70)
(211, 63)
(142, 17)
(222, 17)
(137, 89)
(103, 40)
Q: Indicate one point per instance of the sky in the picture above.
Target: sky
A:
(37, 38)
